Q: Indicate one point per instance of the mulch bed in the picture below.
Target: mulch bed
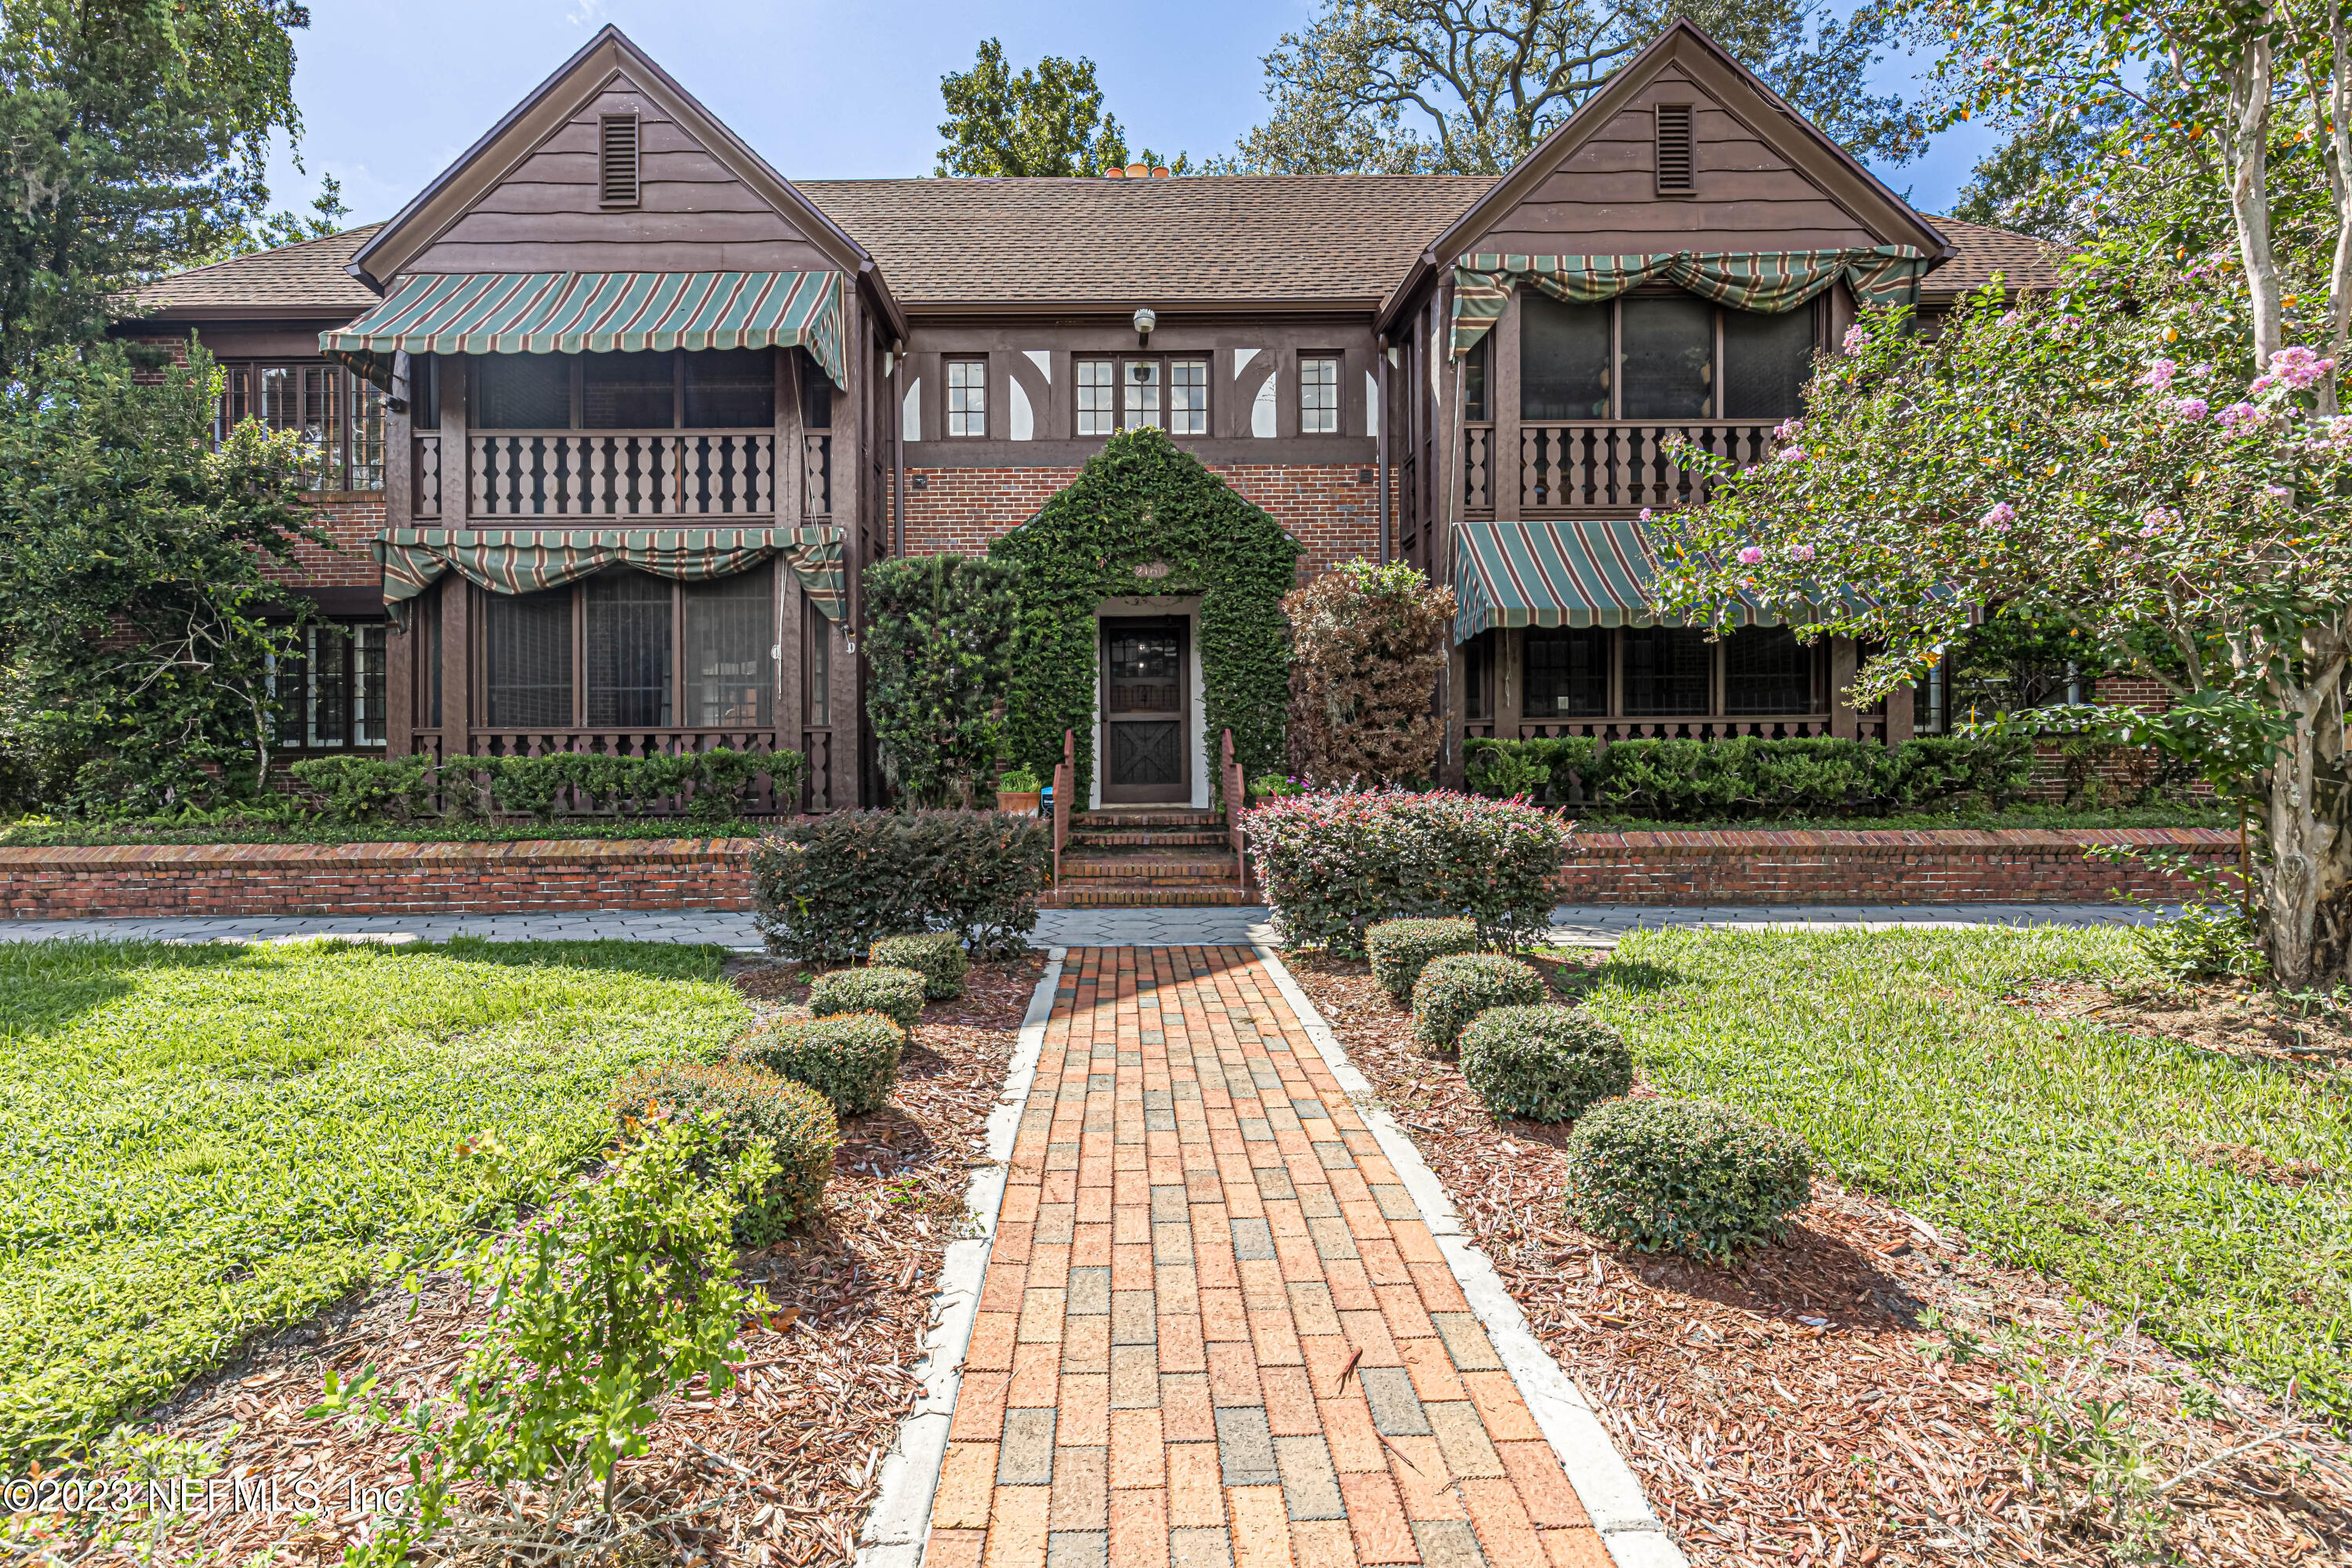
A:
(1839, 1398)
(789, 1458)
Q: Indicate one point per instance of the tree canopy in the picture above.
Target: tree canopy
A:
(1049, 120)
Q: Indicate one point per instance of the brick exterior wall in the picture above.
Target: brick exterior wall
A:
(1332, 509)
(2006, 866)
(353, 519)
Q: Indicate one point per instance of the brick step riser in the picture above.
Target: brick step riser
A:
(1147, 898)
(1100, 821)
(1172, 839)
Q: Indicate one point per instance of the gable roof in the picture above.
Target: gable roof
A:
(1980, 250)
(306, 281)
(1199, 242)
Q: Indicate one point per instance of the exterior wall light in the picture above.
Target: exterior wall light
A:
(1145, 319)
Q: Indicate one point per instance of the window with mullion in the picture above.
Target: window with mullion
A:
(1645, 356)
(967, 408)
(330, 689)
(1132, 391)
(629, 627)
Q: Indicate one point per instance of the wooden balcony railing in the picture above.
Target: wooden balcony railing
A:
(816, 473)
(621, 473)
(1596, 465)
(1778, 727)
(424, 477)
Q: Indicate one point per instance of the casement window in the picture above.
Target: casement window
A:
(967, 399)
(651, 653)
(1668, 671)
(339, 414)
(712, 389)
(1767, 670)
(1566, 672)
(330, 691)
(1319, 395)
(1165, 391)
(1665, 355)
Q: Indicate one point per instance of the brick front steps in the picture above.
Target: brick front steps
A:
(1167, 868)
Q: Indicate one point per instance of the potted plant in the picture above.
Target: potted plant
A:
(1017, 790)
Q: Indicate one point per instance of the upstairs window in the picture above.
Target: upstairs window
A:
(1662, 355)
(1667, 358)
(617, 161)
(1563, 358)
(1319, 395)
(710, 389)
(967, 398)
(339, 414)
(1163, 392)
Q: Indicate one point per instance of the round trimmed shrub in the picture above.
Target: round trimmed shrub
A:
(1400, 947)
(936, 955)
(749, 1105)
(896, 994)
(851, 1059)
(1692, 1176)
(1544, 1064)
(1458, 986)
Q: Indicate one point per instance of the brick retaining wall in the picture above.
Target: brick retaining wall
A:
(2005, 866)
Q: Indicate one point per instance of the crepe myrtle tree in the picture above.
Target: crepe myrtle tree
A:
(2107, 456)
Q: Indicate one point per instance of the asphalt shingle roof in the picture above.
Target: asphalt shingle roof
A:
(1979, 252)
(305, 275)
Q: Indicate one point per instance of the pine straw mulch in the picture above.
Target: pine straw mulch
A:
(1835, 1400)
(789, 1456)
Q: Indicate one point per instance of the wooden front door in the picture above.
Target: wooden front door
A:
(1146, 692)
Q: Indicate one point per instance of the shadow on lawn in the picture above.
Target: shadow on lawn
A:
(46, 985)
(650, 960)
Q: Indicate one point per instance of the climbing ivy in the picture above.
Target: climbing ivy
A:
(938, 630)
(1144, 501)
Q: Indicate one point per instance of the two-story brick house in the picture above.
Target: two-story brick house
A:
(609, 415)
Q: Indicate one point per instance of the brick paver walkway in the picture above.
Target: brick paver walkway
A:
(1214, 1329)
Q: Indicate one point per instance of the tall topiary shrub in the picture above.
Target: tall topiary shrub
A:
(1367, 647)
(1144, 502)
(938, 645)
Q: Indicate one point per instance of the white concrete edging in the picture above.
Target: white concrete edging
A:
(1604, 1483)
(900, 1520)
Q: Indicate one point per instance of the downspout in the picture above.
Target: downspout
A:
(899, 451)
(1386, 553)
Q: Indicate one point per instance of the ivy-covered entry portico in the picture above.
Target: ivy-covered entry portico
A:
(1187, 577)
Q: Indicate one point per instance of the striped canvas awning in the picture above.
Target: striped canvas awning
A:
(595, 312)
(526, 560)
(1559, 573)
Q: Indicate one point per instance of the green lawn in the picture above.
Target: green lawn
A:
(2067, 1147)
(202, 1142)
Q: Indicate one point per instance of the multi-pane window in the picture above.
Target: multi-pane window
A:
(1164, 391)
(1319, 395)
(1098, 396)
(1662, 356)
(330, 691)
(339, 414)
(628, 645)
(967, 397)
(1188, 397)
(1668, 671)
(1478, 675)
(1566, 672)
(709, 389)
(1139, 394)
(654, 653)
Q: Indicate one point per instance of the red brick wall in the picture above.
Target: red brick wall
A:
(1326, 507)
(353, 519)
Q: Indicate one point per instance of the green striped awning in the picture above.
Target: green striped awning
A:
(1559, 573)
(595, 312)
(526, 560)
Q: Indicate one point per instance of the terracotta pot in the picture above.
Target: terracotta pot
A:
(1020, 800)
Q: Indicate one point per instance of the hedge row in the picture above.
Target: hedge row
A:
(1677, 780)
(712, 785)
(826, 889)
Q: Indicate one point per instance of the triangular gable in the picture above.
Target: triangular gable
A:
(524, 198)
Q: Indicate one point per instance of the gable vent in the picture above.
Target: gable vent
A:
(616, 161)
(1676, 161)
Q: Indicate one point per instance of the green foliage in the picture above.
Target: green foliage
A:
(608, 1304)
(134, 658)
(1454, 988)
(1143, 501)
(1048, 121)
(368, 789)
(1333, 864)
(896, 994)
(851, 1059)
(1367, 652)
(1019, 781)
(744, 1107)
(938, 647)
(714, 784)
(210, 1143)
(1399, 949)
(1692, 1176)
(826, 889)
(1677, 780)
(285, 822)
(2204, 942)
(936, 955)
(1544, 1063)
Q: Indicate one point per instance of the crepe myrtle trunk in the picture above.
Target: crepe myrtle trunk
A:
(2308, 894)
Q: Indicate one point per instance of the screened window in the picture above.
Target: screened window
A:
(1098, 408)
(527, 644)
(1667, 671)
(339, 416)
(717, 389)
(1140, 393)
(1766, 362)
(1669, 358)
(1563, 359)
(731, 632)
(1672, 354)
(628, 642)
(967, 397)
(330, 691)
(1566, 672)
(1318, 397)
(1767, 670)
(731, 389)
(627, 392)
(816, 396)
(519, 392)
(1188, 397)
(1478, 676)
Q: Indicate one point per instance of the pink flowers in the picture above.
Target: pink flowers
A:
(1789, 455)
(2190, 409)
(2238, 418)
(1648, 516)
(1787, 429)
(1856, 338)
(2159, 375)
(1998, 518)
(2007, 319)
(2155, 519)
(2277, 493)
(2297, 367)
(1801, 552)
(1749, 555)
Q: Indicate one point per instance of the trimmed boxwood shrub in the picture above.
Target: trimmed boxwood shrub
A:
(1398, 948)
(851, 1059)
(826, 889)
(1544, 1064)
(936, 955)
(749, 1105)
(1820, 775)
(1457, 987)
(1335, 863)
(896, 994)
(1692, 1176)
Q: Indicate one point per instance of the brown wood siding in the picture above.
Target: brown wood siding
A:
(1602, 199)
(693, 215)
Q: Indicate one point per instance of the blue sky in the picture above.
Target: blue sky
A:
(393, 90)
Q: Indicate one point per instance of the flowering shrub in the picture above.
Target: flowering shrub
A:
(1458, 987)
(1544, 1064)
(1691, 1176)
(1335, 863)
(1399, 949)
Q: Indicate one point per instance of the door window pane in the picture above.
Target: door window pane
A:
(1318, 397)
(1766, 360)
(968, 397)
(521, 391)
(731, 389)
(528, 639)
(1563, 359)
(1669, 358)
(1142, 384)
(1767, 670)
(628, 649)
(1666, 671)
(1097, 416)
(627, 392)
(1188, 397)
(1566, 672)
(729, 632)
